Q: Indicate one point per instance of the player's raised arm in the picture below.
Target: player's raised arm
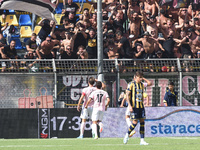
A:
(149, 83)
(103, 85)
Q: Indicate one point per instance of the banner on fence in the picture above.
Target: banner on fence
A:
(160, 122)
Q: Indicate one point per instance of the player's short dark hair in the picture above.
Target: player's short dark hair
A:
(99, 84)
(171, 83)
(91, 80)
(139, 74)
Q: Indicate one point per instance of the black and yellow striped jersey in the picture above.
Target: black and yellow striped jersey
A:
(136, 90)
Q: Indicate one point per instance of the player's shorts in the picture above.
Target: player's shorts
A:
(138, 113)
(86, 113)
(97, 115)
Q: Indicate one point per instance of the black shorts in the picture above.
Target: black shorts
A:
(138, 113)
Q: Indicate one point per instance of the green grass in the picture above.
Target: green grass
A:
(158, 143)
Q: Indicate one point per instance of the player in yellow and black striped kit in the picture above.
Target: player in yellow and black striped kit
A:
(134, 97)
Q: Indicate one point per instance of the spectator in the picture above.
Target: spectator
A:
(117, 22)
(105, 15)
(44, 51)
(151, 25)
(91, 47)
(93, 20)
(110, 35)
(149, 5)
(133, 6)
(66, 25)
(86, 13)
(69, 40)
(169, 28)
(123, 45)
(112, 50)
(3, 41)
(194, 41)
(31, 45)
(45, 30)
(135, 23)
(159, 54)
(168, 45)
(182, 15)
(162, 19)
(82, 53)
(140, 53)
(177, 53)
(9, 52)
(67, 53)
(70, 6)
(72, 18)
(148, 45)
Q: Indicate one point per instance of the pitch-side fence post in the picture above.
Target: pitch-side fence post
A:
(180, 81)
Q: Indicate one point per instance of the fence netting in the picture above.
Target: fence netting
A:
(65, 79)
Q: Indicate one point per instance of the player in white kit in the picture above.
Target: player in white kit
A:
(100, 105)
(86, 113)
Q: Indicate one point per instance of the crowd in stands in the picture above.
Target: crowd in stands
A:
(138, 29)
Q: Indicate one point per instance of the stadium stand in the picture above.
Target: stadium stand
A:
(12, 20)
(25, 31)
(37, 29)
(25, 20)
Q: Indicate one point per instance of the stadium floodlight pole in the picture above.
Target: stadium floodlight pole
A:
(100, 40)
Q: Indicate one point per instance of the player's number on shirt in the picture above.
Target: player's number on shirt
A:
(99, 97)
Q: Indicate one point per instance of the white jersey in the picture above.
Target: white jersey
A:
(86, 92)
(99, 97)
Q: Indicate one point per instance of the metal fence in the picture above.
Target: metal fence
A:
(65, 79)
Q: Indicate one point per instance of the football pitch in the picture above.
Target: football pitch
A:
(157, 143)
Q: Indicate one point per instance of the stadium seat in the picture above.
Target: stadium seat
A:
(24, 45)
(38, 19)
(12, 20)
(25, 20)
(25, 31)
(37, 29)
(76, 1)
(59, 8)
(58, 18)
(18, 45)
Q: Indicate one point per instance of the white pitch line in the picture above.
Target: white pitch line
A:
(36, 145)
(188, 138)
